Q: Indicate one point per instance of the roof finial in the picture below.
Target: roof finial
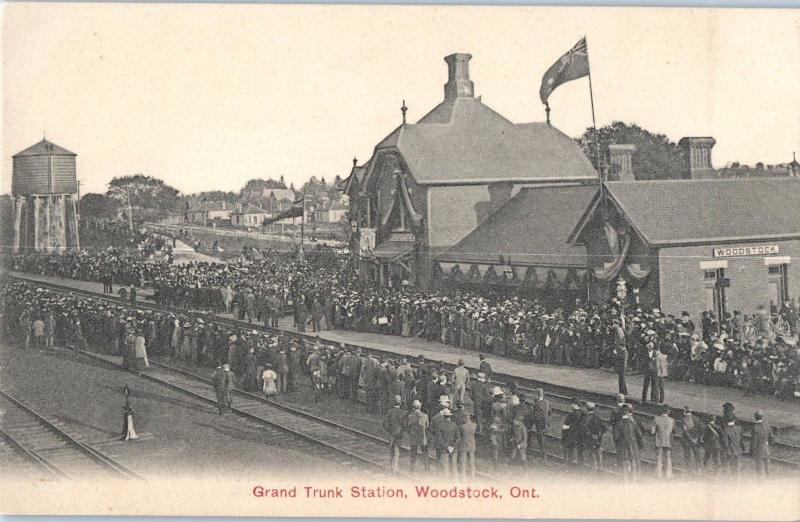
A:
(547, 110)
(355, 161)
(403, 109)
(44, 135)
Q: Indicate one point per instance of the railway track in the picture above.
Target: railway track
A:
(355, 445)
(48, 447)
(785, 455)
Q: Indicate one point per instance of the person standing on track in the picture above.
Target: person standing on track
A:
(594, 428)
(460, 380)
(629, 442)
(760, 439)
(466, 447)
(417, 425)
(541, 419)
(394, 424)
(50, 328)
(662, 428)
(38, 333)
(571, 434)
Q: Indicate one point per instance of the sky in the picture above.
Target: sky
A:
(208, 96)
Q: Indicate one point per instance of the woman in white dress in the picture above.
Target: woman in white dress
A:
(270, 379)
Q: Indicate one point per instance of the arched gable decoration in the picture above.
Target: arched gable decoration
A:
(474, 272)
(552, 280)
(531, 277)
(572, 282)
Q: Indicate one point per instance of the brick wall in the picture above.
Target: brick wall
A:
(682, 284)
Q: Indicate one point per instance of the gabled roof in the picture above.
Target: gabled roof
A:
(462, 140)
(212, 206)
(704, 211)
(356, 177)
(45, 148)
(251, 209)
(531, 228)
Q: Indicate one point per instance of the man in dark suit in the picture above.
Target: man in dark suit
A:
(223, 385)
(593, 429)
(447, 441)
(394, 424)
(731, 438)
(571, 434)
(760, 439)
(649, 373)
(629, 442)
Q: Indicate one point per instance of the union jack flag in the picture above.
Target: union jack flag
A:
(571, 66)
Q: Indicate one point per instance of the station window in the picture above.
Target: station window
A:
(778, 287)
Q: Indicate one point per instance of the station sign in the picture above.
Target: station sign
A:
(407, 237)
(757, 250)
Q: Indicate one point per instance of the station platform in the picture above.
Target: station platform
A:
(698, 397)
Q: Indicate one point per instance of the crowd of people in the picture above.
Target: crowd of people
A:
(322, 293)
(437, 411)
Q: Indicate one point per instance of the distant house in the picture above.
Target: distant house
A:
(209, 212)
(249, 216)
(331, 212)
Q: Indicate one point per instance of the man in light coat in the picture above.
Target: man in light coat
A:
(660, 375)
(466, 447)
(460, 379)
(662, 427)
(417, 425)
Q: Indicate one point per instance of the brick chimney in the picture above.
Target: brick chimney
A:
(458, 83)
(621, 159)
(697, 154)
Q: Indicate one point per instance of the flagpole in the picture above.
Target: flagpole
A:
(594, 123)
(303, 223)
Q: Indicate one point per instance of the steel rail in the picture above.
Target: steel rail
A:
(601, 399)
(93, 453)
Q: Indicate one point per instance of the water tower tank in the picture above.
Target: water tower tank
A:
(44, 168)
(44, 185)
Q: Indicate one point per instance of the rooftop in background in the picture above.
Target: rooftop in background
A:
(530, 229)
(250, 209)
(463, 140)
(701, 211)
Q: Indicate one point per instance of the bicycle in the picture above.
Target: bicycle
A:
(777, 325)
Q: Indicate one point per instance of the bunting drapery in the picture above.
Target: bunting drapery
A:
(636, 271)
(618, 242)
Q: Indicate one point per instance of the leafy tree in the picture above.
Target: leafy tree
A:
(99, 206)
(656, 157)
(146, 193)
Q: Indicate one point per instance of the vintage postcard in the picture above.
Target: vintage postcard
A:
(400, 261)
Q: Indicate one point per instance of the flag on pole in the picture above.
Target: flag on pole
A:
(573, 65)
(296, 210)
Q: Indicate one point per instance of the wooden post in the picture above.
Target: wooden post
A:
(17, 222)
(37, 234)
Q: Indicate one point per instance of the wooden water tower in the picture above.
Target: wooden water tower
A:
(44, 185)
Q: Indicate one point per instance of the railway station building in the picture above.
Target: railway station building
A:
(429, 184)
(694, 245)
